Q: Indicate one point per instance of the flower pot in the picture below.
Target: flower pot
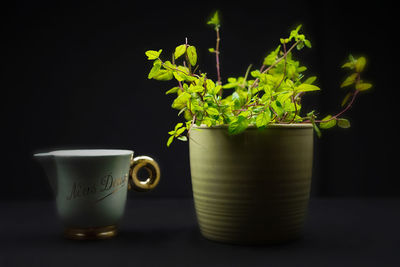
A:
(253, 187)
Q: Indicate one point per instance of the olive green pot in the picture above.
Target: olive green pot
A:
(253, 187)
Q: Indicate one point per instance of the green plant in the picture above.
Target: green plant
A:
(270, 94)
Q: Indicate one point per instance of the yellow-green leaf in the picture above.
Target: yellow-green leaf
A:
(172, 90)
(181, 101)
(195, 88)
(210, 85)
(170, 139)
(152, 54)
(349, 65)
(304, 87)
(192, 55)
(237, 125)
(179, 51)
(327, 122)
(310, 80)
(360, 64)
(180, 131)
(217, 89)
(349, 80)
(214, 20)
(363, 86)
(163, 75)
(155, 69)
(178, 125)
(343, 123)
(182, 138)
(346, 98)
(212, 111)
(178, 76)
(263, 119)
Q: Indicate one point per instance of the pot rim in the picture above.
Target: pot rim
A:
(269, 126)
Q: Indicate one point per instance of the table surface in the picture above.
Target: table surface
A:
(164, 232)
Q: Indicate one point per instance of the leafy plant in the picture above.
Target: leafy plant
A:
(270, 94)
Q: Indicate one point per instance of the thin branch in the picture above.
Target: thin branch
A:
(340, 113)
(284, 66)
(275, 63)
(168, 67)
(217, 56)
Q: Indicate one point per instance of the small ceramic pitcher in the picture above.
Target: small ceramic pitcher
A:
(91, 187)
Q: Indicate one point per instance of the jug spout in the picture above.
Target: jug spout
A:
(47, 161)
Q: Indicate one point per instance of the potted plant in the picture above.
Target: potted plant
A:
(251, 146)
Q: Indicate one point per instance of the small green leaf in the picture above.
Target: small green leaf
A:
(207, 121)
(360, 64)
(363, 86)
(214, 20)
(216, 89)
(212, 111)
(317, 130)
(346, 98)
(180, 131)
(304, 87)
(195, 88)
(172, 90)
(301, 69)
(327, 122)
(289, 83)
(343, 123)
(155, 69)
(170, 139)
(181, 101)
(178, 76)
(271, 57)
(230, 85)
(182, 111)
(178, 125)
(210, 85)
(349, 80)
(163, 75)
(211, 50)
(310, 80)
(192, 55)
(300, 45)
(238, 125)
(182, 138)
(179, 51)
(307, 43)
(349, 65)
(263, 118)
(284, 40)
(152, 54)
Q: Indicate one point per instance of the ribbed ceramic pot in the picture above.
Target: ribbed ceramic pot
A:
(253, 187)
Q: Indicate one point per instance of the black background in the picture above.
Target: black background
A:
(75, 76)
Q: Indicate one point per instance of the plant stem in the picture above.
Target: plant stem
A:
(349, 105)
(180, 86)
(295, 109)
(217, 58)
(191, 125)
(188, 74)
(275, 63)
(187, 57)
(340, 113)
(284, 67)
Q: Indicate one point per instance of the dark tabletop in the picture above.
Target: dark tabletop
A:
(163, 232)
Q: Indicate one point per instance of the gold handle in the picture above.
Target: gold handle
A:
(153, 170)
